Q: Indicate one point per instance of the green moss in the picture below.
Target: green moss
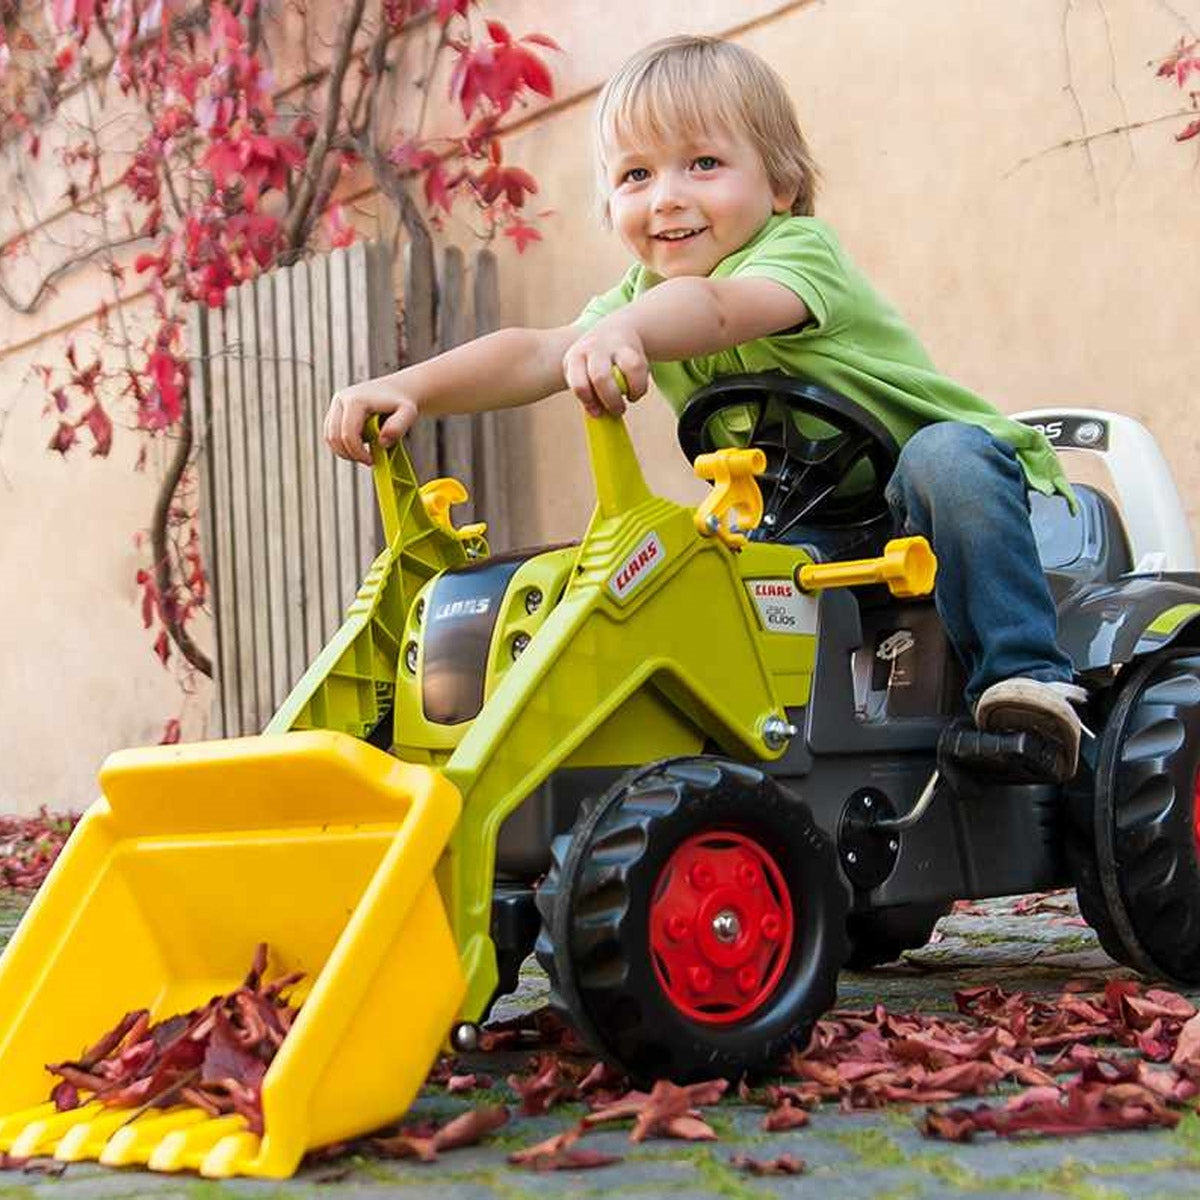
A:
(906, 1191)
(1187, 1134)
(946, 1169)
(873, 1147)
(722, 1125)
(719, 1177)
(1070, 1178)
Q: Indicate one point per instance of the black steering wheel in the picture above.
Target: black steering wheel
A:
(828, 459)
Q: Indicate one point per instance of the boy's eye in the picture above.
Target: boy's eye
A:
(635, 175)
(706, 162)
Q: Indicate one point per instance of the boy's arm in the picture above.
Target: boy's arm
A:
(687, 317)
(501, 370)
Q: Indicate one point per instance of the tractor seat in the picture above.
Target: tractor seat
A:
(1090, 546)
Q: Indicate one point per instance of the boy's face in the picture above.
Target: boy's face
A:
(681, 206)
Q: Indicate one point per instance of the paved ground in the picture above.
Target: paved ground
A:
(877, 1155)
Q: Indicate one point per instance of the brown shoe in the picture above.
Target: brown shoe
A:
(1028, 705)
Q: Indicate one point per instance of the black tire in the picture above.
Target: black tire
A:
(1141, 889)
(597, 898)
(883, 935)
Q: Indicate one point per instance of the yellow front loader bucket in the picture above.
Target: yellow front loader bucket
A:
(315, 843)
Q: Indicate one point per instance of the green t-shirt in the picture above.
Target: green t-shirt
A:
(855, 343)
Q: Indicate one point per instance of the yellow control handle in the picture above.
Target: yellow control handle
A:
(438, 496)
(735, 505)
(908, 567)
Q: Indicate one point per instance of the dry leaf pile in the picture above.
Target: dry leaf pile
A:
(871, 1058)
(213, 1057)
(29, 846)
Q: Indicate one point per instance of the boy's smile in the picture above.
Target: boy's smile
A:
(681, 205)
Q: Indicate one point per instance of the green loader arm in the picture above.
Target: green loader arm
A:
(351, 683)
(653, 610)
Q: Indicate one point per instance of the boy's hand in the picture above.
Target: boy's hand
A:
(588, 366)
(350, 408)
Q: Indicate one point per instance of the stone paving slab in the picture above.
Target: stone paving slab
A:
(857, 1156)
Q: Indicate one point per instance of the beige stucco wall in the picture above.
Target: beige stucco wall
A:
(1035, 275)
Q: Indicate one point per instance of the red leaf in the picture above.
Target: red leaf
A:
(437, 187)
(787, 1116)
(171, 733)
(162, 647)
(1189, 131)
(447, 8)
(64, 437)
(467, 1083)
(465, 1130)
(785, 1164)
(340, 231)
(100, 427)
(522, 234)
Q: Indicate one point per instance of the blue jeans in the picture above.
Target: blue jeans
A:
(965, 491)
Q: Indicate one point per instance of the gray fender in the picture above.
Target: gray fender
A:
(1107, 624)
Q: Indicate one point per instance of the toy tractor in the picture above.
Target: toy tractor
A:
(694, 769)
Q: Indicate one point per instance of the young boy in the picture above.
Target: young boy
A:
(707, 180)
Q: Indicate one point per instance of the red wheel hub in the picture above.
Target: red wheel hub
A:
(721, 927)
(1196, 814)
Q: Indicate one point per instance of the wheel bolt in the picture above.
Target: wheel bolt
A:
(725, 926)
(701, 877)
(747, 876)
(747, 979)
(677, 927)
(700, 978)
(770, 926)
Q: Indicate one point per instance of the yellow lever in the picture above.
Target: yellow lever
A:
(735, 505)
(908, 567)
(438, 495)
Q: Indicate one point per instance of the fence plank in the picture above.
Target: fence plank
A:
(200, 407)
(223, 552)
(492, 496)
(312, 453)
(327, 464)
(420, 309)
(294, 514)
(274, 519)
(256, 472)
(206, 336)
(246, 583)
(457, 440)
(359, 313)
(347, 506)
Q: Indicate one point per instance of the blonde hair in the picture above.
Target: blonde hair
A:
(682, 85)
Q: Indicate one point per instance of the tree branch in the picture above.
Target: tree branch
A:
(297, 218)
(161, 551)
(65, 267)
(1093, 137)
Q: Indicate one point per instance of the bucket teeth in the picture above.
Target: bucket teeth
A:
(179, 1139)
(13, 1123)
(42, 1133)
(90, 1133)
(181, 1146)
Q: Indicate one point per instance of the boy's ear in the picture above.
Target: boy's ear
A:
(781, 202)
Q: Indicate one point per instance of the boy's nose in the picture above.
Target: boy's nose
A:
(668, 193)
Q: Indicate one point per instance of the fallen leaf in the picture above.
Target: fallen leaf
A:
(786, 1116)
(785, 1164)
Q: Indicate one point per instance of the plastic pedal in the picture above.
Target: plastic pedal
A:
(1023, 757)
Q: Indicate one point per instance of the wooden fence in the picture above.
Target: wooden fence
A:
(289, 529)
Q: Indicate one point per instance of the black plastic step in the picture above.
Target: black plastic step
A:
(1023, 757)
